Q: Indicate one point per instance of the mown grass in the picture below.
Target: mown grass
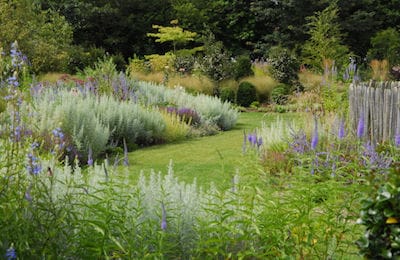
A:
(208, 159)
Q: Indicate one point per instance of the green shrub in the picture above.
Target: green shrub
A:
(103, 72)
(380, 215)
(227, 94)
(43, 36)
(81, 58)
(246, 94)
(119, 61)
(279, 94)
(136, 65)
(161, 63)
(216, 62)
(284, 65)
(242, 67)
(184, 64)
(385, 46)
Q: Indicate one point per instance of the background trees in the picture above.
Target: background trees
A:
(248, 27)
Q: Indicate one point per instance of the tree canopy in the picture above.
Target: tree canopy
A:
(248, 27)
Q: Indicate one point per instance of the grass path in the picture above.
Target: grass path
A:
(208, 159)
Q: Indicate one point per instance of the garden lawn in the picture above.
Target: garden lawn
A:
(206, 159)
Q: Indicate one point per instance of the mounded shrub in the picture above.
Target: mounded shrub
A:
(227, 94)
(380, 215)
(242, 67)
(80, 58)
(279, 94)
(95, 123)
(246, 94)
(284, 65)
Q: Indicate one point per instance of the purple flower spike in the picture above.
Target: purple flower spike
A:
(28, 196)
(341, 132)
(163, 217)
(360, 126)
(397, 140)
(259, 141)
(11, 254)
(33, 167)
(90, 157)
(252, 139)
(314, 140)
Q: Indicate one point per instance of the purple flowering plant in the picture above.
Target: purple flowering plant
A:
(335, 153)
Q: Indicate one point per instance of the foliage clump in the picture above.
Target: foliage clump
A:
(380, 215)
(279, 94)
(284, 67)
(246, 94)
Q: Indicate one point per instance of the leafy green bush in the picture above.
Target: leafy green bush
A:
(380, 215)
(80, 58)
(216, 63)
(242, 67)
(385, 46)
(43, 36)
(160, 63)
(136, 65)
(103, 72)
(246, 94)
(184, 64)
(279, 94)
(227, 94)
(284, 65)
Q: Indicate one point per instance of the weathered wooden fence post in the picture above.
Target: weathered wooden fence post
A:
(379, 104)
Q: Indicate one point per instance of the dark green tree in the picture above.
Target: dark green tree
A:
(116, 26)
(282, 23)
(385, 45)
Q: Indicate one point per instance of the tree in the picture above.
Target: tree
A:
(282, 23)
(174, 34)
(386, 46)
(325, 41)
(116, 26)
(216, 62)
(284, 67)
(359, 23)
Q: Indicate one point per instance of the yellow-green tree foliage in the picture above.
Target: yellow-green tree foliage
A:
(174, 34)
